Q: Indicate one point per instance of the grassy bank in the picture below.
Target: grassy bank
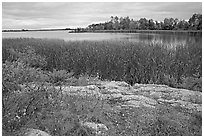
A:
(175, 65)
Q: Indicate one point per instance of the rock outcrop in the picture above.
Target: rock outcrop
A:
(150, 102)
(121, 96)
(97, 128)
(31, 132)
(148, 95)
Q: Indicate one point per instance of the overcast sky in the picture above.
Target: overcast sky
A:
(37, 15)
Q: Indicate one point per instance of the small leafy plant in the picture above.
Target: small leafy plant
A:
(57, 77)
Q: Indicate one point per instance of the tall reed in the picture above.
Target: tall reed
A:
(133, 62)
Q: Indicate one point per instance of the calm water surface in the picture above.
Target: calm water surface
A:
(135, 37)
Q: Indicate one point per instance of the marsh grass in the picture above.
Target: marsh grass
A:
(133, 62)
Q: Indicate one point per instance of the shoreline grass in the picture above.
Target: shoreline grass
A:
(133, 62)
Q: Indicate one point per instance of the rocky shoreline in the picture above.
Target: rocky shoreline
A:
(148, 95)
(121, 97)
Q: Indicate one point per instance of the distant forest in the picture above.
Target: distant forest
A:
(125, 23)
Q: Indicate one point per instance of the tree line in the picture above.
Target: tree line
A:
(125, 23)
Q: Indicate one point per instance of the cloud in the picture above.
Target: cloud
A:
(17, 15)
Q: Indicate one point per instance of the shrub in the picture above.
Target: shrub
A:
(58, 77)
(192, 83)
(170, 81)
(24, 107)
(28, 56)
(17, 73)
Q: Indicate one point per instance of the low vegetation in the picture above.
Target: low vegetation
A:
(176, 65)
(32, 67)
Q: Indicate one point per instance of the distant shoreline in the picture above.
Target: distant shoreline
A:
(194, 32)
(27, 30)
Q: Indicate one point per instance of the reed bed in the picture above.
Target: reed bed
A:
(133, 62)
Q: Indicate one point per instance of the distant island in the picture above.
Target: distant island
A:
(125, 23)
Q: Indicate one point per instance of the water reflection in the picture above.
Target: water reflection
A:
(168, 39)
(163, 38)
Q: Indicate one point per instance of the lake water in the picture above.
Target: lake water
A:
(135, 37)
